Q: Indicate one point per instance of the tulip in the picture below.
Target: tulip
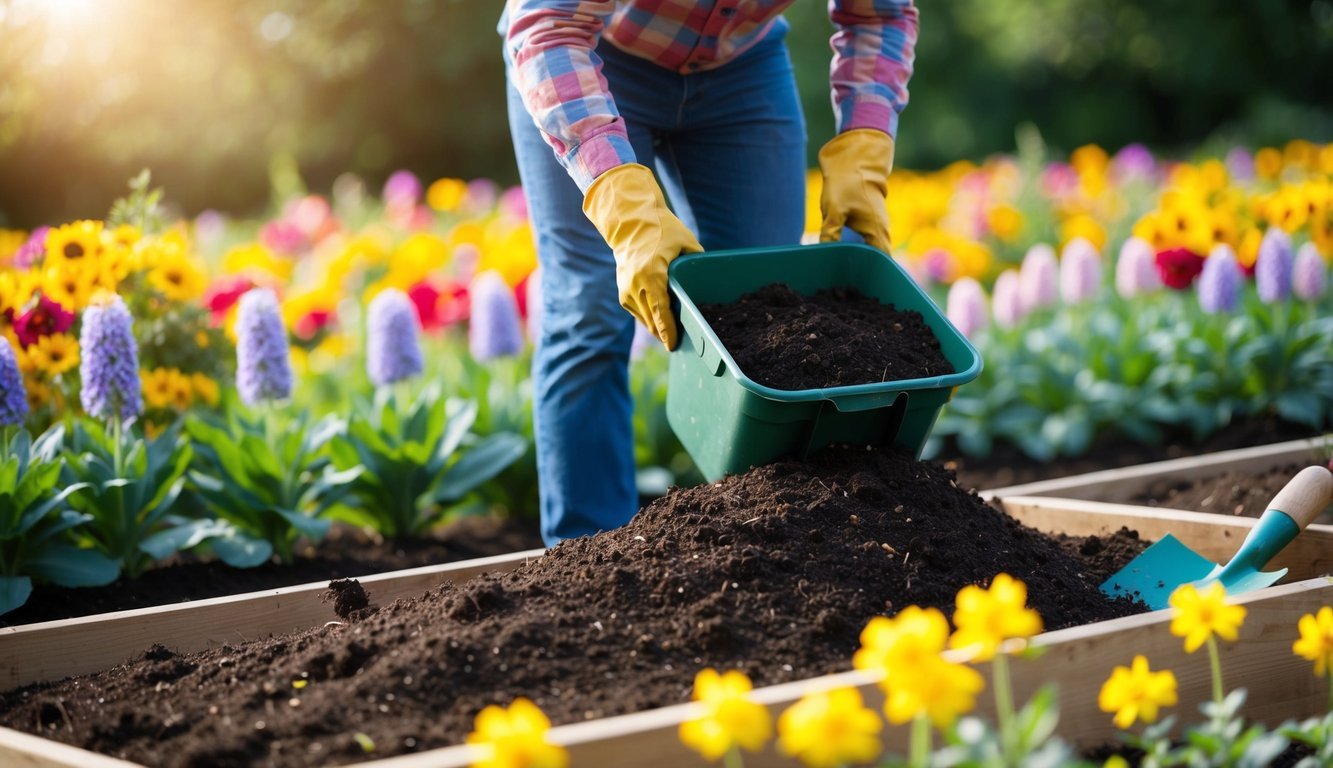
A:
(966, 306)
(1006, 300)
(1135, 270)
(1080, 271)
(1039, 277)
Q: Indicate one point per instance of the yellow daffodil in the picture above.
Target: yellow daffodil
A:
(1136, 693)
(830, 728)
(728, 718)
(445, 194)
(515, 738)
(1197, 616)
(1316, 641)
(54, 354)
(985, 618)
(76, 244)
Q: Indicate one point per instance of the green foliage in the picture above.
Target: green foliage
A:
(1223, 740)
(1316, 733)
(267, 481)
(134, 483)
(1139, 370)
(419, 459)
(34, 515)
(1030, 742)
(142, 208)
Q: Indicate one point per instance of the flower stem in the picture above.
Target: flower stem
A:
(117, 460)
(920, 755)
(1330, 688)
(1004, 702)
(733, 758)
(1215, 662)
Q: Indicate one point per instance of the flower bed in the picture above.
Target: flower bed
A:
(487, 612)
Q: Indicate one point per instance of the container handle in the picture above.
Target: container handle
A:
(817, 434)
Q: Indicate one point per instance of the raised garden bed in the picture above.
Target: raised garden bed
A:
(1280, 684)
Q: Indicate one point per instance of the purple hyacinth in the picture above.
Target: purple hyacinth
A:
(1240, 164)
(263, 359)
(1007, 300)
(1219, 283)
(1080, 271)
(13, 398)
(402, 188)
(393, 345)
(966, 306)
(1039, 277)
(495, 329)
(1309, 276)
(109, 361)
(1135, 270)
(1272, 267)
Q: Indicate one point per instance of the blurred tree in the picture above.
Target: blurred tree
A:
(208, 92)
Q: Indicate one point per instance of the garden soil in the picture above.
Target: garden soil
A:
(773, 572)
(1228, 493)
(346, 553)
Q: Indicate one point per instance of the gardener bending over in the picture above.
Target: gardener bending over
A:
(703, 92)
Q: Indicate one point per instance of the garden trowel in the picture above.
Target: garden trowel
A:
(1168, 564)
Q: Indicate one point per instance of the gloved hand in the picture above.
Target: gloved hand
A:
(627, 207)
(856, 167)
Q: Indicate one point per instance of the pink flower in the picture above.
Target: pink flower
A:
(46, 317)
(1135, 270)
(514, 204)
(283, 237)
(1039, 278)
(439, 306)
(966, 306)
(1006, 300)
(1080, 271)
(402, 190)
(312, 322)
(222, 295)
(1178, 267)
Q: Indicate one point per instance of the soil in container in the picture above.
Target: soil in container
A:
(346, 553)
(774, 572)
(1234, 492)
(837, 337)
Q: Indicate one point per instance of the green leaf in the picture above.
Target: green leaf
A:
(181, 537)
(71, 566)
(14, 592)
(241, 550)
(312, 528)
(482, 462)
(1301, 407)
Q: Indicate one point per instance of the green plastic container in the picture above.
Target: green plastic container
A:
(729, 423)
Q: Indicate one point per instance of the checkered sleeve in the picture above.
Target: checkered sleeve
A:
(551, 45)
(874, 44)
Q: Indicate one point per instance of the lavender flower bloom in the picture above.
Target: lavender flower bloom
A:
(1135, 270)
(1038, 277)
(402, 188)
(32, 251)
(1272, 267)
(1240, 164)
(1134, 162)
(1080, 271)
(109, 361)
(1309, 276)
(495, 329)
(13, 398)
(263, 360)
(1219, 283)
(966, 306)
(393, 346)
(1007, 300)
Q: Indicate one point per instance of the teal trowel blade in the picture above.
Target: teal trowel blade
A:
(1157, 571)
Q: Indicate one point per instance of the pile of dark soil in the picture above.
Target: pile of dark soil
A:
(346, 553)
(837, 337)
(774, 572)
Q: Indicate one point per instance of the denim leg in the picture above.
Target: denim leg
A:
(582, 408)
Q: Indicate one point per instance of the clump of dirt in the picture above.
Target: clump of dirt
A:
(349, 599)
(836, 337)
(773, 572)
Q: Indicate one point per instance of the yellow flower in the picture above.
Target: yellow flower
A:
(16, 289)
(1136, 693)
(256, 262)
(1316, 643)
(39, 394)
(446, 194)
(10, 242)
(1006, 222)
(1267, 163)
(205, 388)
(1247, 253)
(985, 618)
(178, 277)
(902, 642)
(182, 391)
(509, 250)
(125, 236)
(416, 258)
(54, 354)
(728, 719)
(941, 689)
(158, 389)
(831, 728)
(70, 285)
(515, 738)
(77, 244)
(1084, 226)
(1198, 616)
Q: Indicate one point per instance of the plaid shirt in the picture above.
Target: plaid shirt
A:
(550, 44)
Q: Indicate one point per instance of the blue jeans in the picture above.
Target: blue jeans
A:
(728, 147)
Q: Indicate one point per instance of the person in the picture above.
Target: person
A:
(614, 102)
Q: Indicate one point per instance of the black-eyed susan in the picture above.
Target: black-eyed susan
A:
(205, 388)
(78, 243)
(158, 388)
(178, 277)
(69, 284)
(54, 354)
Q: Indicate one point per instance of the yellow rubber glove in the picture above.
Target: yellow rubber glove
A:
(627, 207)
(856, 167)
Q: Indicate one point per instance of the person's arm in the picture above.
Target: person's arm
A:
(873, 49)
(556, 70)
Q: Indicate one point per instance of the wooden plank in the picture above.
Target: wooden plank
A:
(22, 750)
(1125, 483)
(57, 649)
(1280, 684)
(1216, 537)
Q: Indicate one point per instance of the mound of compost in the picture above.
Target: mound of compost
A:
(837, 337)
(774, 572)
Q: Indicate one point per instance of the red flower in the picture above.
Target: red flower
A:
(313, 322)
(223, 294)
(438, 307)
(1178, 267)
(45, 318)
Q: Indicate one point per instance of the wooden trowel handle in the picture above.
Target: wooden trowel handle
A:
(1305, 495)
